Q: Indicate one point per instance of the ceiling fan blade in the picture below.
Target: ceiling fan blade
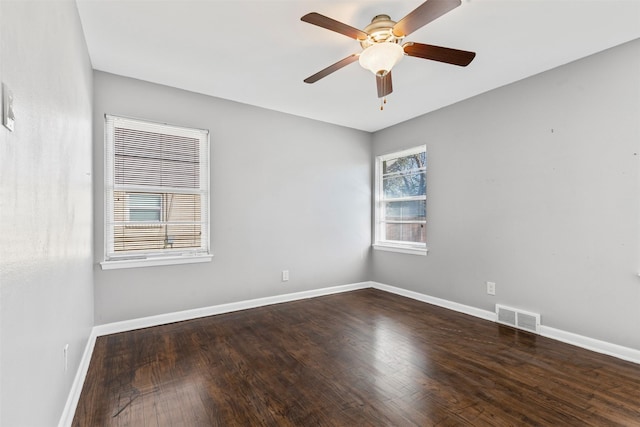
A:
(437, 53)
(333, 25)
(384, 85)
(331, 68)
(422, 15)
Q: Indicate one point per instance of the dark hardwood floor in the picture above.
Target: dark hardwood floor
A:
(363, 358)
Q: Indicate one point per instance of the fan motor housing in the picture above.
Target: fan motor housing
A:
(380, 31)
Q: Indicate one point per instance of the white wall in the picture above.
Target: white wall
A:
(535, 186)
(286, 193)
(46, 291)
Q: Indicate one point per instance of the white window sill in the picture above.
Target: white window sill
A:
(154, 261)
(401, 249)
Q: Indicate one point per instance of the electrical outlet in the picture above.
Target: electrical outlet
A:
(285, 275)
(65, 352)
(491, 288)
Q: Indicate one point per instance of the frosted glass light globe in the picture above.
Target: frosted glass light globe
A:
(380, 58)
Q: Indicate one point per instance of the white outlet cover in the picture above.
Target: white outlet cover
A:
(491, 288)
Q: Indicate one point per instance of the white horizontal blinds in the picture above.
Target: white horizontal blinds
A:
(157, 189)
(402, 196)
(156, 159)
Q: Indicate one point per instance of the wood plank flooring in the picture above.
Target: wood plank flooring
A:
(363, 358)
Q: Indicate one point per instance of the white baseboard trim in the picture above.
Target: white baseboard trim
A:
(461, 308)
(615, 350)
(603, 347)
(78, 381)
(145, 322)
(179, 316)
(66, 419)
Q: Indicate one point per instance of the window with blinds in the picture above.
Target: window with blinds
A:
(156, 190)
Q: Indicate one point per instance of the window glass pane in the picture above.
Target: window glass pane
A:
(148, 215)
(404, 185)
(406, 163)
(415, 210)
(145, 207)
(183, 207)
(144, 200)
(178, 217)
(153, 237)
(406, 232)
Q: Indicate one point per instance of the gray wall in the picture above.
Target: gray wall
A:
(286, 193)
(46, 292)
(535, 186)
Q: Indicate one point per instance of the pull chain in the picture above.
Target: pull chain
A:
(382, 102)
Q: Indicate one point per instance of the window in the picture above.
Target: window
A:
(156, 194)
(401, 201)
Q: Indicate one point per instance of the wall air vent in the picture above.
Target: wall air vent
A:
(518, 318)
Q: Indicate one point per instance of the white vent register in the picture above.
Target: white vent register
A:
(518, 318)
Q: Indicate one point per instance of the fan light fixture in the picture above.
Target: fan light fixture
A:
(382, 43)
(380, 58)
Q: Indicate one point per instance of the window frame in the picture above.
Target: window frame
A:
(152, 257)
(380, 243)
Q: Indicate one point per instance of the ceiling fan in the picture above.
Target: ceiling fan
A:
(382, 42)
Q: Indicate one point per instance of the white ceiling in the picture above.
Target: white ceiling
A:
(258, 52)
